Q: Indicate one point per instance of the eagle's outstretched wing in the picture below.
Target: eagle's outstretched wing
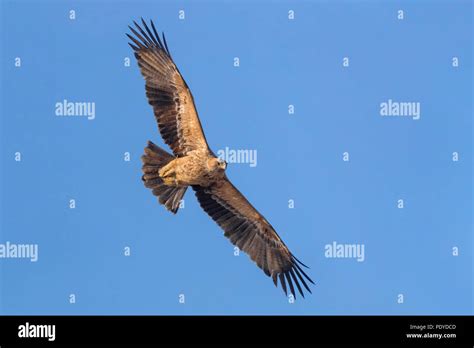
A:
(250, 231)
(167, 92)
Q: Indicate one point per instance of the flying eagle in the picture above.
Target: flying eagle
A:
(194, 164)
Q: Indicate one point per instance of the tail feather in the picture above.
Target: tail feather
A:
(153, 160)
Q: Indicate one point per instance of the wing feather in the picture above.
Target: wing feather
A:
(250, 231)
(167, 92)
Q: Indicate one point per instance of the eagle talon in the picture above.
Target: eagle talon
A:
(167, 170)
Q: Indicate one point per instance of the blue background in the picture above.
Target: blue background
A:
(81, 251)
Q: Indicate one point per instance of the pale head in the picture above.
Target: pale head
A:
(215, 163)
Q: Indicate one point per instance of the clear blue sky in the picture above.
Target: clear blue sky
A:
(81, 251)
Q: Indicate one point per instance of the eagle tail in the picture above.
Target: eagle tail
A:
(153, 160)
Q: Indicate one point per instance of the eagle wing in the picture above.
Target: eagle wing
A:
(250, 231)
(167, 92)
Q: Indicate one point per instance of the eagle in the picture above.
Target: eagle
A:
(194, 164)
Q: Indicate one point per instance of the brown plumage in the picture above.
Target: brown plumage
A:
(195, 165)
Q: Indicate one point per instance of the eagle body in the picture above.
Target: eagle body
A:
(193, 164)
(196, 168)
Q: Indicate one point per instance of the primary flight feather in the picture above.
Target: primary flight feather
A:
(194, 164)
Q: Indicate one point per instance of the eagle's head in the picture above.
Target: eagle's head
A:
(222, 164)
(217, 164)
